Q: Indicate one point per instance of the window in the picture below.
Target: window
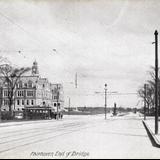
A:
(18, 102)
(30, 84)
(55, 104)
(30, 93)
(32, 102)
(20, 84)
(5, 102)
(25, 85)
(27, 102)
(20, 93)
(55, 97)
(6, 93)
(22, 102)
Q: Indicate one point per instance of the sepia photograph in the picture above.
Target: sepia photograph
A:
(79, 79)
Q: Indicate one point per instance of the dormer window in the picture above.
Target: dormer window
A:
(20, 84)
(25, 85)
(30, 84)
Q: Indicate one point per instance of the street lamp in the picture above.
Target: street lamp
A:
(105, 101)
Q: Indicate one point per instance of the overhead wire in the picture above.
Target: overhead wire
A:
(37, 41)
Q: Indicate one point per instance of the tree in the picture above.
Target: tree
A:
(3, 60)
(149, 98)
(150, 90)
(9, 77)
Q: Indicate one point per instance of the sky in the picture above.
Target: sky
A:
(103, 41)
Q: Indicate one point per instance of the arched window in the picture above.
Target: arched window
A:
(18, 102)
(27, 102)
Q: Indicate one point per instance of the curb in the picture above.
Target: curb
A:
(152, 136)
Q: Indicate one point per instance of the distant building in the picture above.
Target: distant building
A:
(33, 90)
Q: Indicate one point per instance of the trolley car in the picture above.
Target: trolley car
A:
(41, 112)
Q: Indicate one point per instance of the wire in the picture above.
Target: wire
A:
(26, 32)
(21, 28)
(102, 94)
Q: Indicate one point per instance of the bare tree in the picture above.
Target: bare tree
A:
(9, 77)
(3, 60)
(149, 98)
(150, 90)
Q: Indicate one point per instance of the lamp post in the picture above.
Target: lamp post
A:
(105, 101)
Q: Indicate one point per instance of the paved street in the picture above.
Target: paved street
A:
(77, 137)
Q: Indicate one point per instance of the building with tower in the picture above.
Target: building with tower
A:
(35, 94)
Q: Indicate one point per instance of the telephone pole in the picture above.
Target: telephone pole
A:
(156, 82)
(105, 101)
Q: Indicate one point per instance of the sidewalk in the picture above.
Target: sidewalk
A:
(150, 127)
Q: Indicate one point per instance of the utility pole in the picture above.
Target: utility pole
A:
(145, 95)
(156, 82)
(105, 101)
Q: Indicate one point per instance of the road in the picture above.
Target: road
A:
(77, 137)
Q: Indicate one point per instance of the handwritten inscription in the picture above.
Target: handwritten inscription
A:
(61, 154)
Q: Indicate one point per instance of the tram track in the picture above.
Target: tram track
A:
(33, 130)
(44, 136)
(35, 134)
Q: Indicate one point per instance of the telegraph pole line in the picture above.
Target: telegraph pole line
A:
(105, 101)
(156, 82)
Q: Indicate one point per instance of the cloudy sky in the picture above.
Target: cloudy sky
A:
(103, 41)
